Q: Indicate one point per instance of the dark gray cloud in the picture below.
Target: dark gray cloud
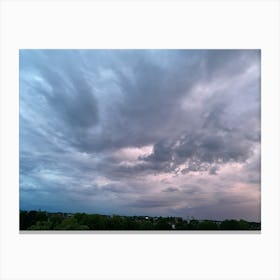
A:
(171, 189)
(126, 128)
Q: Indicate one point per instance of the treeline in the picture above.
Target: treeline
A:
(42, 220)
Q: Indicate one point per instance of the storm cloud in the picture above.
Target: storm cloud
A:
(153, 132)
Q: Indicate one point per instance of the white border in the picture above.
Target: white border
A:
(143, 24)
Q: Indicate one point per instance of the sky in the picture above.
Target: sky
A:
(141, 132)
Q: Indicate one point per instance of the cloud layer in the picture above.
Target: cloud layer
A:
(152, 132)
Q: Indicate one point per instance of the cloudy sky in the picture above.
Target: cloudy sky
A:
(141, 132)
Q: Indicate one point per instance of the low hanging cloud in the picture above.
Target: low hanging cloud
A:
(140, 131)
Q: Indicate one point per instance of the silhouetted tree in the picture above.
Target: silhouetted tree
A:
(207, 225)
(229, 225)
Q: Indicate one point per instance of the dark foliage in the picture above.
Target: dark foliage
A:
(42, 220)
